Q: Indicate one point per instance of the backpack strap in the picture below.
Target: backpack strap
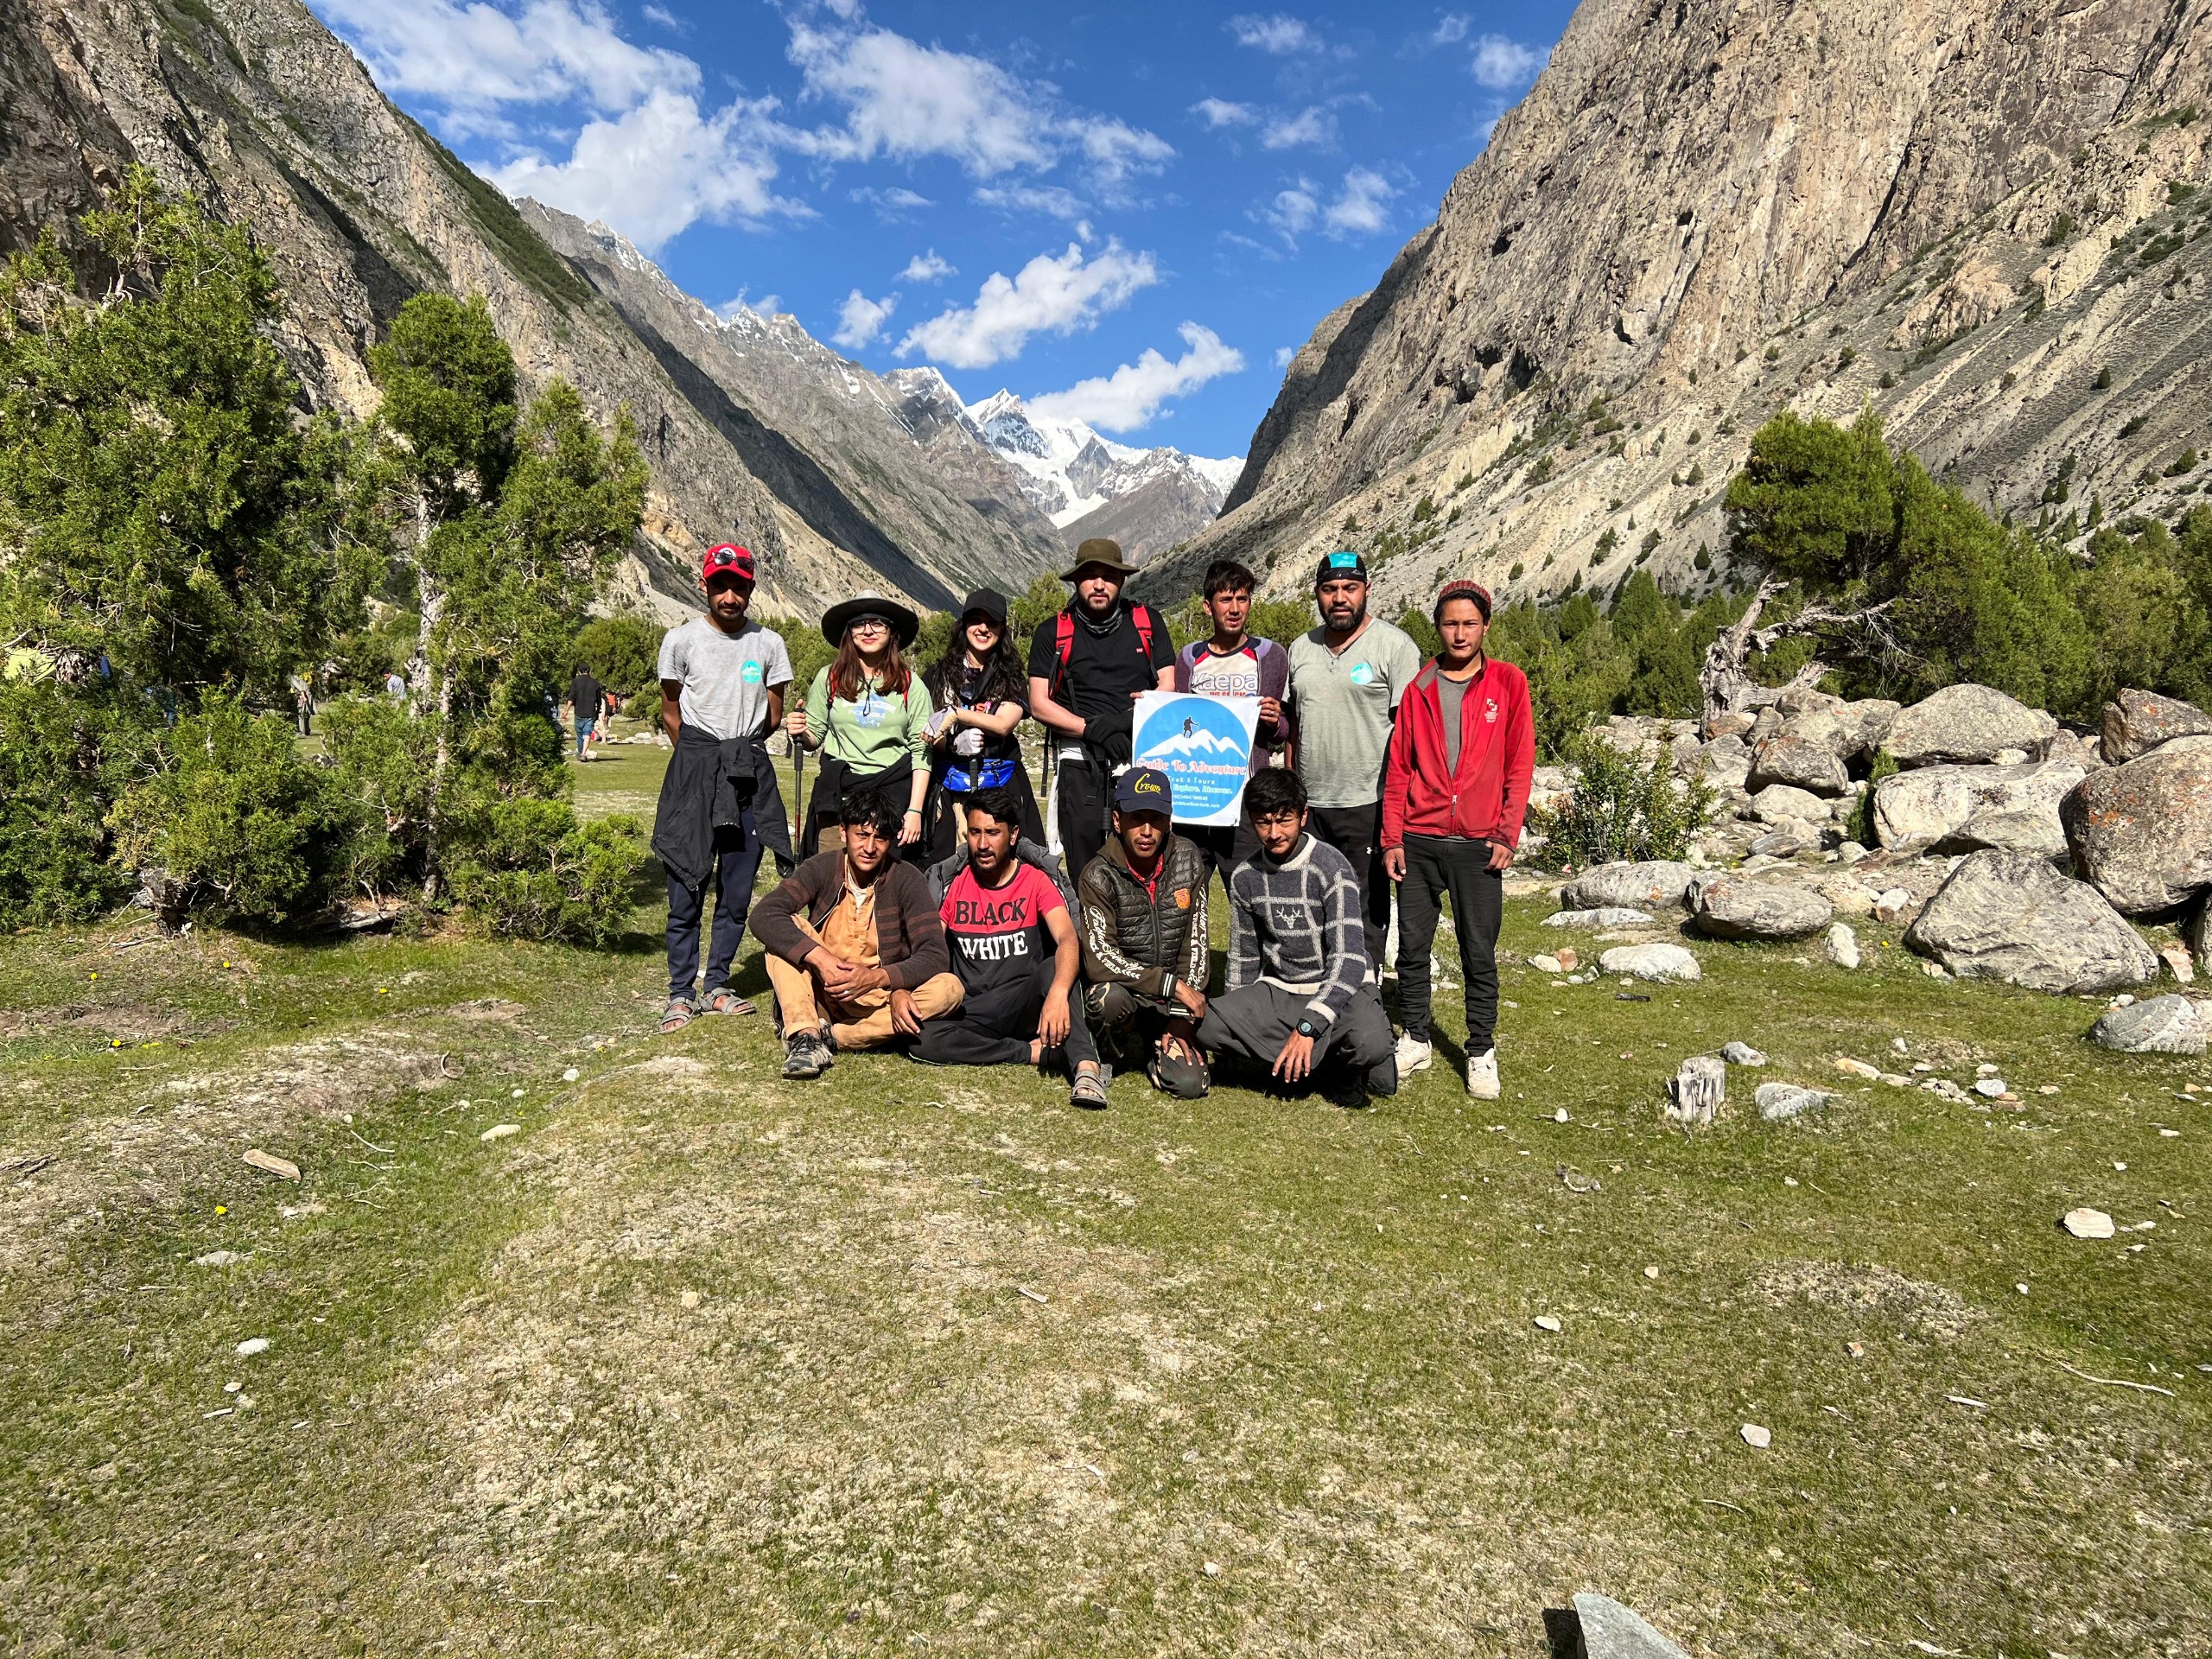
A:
(1064, 641)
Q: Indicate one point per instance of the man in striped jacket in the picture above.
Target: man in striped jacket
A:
(1301, 987)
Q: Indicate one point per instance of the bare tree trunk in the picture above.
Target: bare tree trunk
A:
(1726, 686)
(1730, 689)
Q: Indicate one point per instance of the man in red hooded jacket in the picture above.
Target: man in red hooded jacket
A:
(1453, 795)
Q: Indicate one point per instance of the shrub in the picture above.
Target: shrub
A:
(623, 652)
(2103, 381)
(534, 872)
(63, 755)
(1862, 816)
(246, 828)
(1621, 808)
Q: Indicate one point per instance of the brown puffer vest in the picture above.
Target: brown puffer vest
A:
(1133, 939)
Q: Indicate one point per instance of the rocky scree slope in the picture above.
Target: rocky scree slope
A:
(1988, 220)
(256, 106)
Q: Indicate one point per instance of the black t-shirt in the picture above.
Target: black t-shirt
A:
(1101, 671)
(584, 693)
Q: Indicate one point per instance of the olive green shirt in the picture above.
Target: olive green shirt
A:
(868, 733)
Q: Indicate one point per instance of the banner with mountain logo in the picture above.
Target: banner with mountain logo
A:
(1204, 745)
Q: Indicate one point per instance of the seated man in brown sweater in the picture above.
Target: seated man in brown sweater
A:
(855, 947)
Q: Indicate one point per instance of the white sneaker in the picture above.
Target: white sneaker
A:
(1414, 1055)
(1482, 1075)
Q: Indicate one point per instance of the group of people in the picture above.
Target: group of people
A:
(922, 907)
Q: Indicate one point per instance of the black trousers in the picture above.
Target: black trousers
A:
(737, 862)
(1437, 865)
(995, 1027)
(1085, 795)
(1225, 846)
(1255, 1021)
(1353, 831)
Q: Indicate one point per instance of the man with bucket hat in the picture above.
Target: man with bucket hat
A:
(722, 678)
(1087, 667)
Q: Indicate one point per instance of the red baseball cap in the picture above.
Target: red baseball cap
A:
(726, 559)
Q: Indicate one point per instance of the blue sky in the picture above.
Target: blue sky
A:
(1130, 214)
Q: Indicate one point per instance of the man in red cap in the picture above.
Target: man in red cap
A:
(722, 677)
(1454, 790)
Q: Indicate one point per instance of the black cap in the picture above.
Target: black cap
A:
(990, 602)
(1338, 565)
(1144, 789)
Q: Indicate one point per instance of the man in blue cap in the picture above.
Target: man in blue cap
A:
(1144, 934)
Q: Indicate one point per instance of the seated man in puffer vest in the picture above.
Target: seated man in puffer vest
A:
(1144, 935)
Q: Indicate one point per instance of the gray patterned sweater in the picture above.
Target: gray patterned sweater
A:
(1296, 923)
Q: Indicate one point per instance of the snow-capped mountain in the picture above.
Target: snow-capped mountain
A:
(1069, 473)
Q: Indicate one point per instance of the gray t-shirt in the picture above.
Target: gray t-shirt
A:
(1343, 703)
(727, 677)
(1450, 694)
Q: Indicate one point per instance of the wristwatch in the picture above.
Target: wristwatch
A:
(1308, 1030)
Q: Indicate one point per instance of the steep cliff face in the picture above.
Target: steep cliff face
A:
(254, 105)
(1704, 211)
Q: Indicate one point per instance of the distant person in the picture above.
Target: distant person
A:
(1087, 667)
(585, 701)
(855, 947)
(722, 680)
(869, 713)
(1345, 679)
(982, 698)
(1012, 935)
(395, 687)
(1300, 990)
(1145, 935)
(1462, 756)
(1233, 663)
(303, 704)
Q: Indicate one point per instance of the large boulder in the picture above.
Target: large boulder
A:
(1921, 808)
(1968, 723)
(1655, 961)
(1604, 916)
(2014, 917)
(2161, 1024)
(1801, 762)
(2036, 830)
(1642, 885)
(2143, 832)
(2136, 722)
(1730, 907)
(1779, 802)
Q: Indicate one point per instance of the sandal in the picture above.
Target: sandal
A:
(722, 1000)
(681, 1012)
(1090, 1091)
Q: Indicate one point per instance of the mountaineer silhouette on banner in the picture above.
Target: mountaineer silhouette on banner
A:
(1204, 745)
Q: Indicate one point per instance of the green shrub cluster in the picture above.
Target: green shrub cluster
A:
(1622, 808)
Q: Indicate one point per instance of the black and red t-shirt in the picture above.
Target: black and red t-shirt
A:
(999, 934)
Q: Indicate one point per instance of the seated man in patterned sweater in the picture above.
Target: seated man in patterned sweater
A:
(1301, 988)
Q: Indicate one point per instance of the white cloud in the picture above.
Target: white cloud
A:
(473, 58)
(667, 19)
(1283, 354)
(1049, 200)
(896, 203)
(1278, 34)
(658, 167)
(860, 318)
(1219, 112)
(1450, 28)
(1294, 211)
(1359, 209)
(1129, 396)
(928, 268)
(768, 305)
(1060, 294)
(1116, 150)
(1311, 126)
(1503, 64)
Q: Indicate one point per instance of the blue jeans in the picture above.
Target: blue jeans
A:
(583, 731)
(737, 862)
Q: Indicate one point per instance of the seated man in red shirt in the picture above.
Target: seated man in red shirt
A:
(1015, 947)
(1462, 755)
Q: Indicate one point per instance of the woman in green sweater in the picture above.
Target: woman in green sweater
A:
(869, 715)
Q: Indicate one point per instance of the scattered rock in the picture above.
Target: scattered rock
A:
(1798, 761)
(2088, 1223)
(1647, 884)
(1856, 1068)
(218, 1259)
(1569, 958)
(1603, 917)
(1937, 805)
(251, 1347)
(2143, 832)
(2013, 917)
(1695, 1093)
(1655, 961)
(1780, 803)
(1756, 1436)
(500, 1131)
(1730, 907)
(1779, 1101)
(2136, 722)
(1544, 964)
(283, 1168)
(1742, 1054)
(1893, 904)
(1843, 946)
(1850, 853)
(1611, 1631)
(1990, 1088)
(570, 1075)
(2174, 955)
(2161, 1024)
(1545, 1322)
(1966, 723)
(2026, 831)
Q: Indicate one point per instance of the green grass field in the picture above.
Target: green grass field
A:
(696, 1361)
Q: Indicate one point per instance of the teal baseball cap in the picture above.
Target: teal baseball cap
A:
(1340, 565)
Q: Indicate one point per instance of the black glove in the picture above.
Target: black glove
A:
(1104, 730)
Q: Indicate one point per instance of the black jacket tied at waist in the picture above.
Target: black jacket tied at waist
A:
(710, 784)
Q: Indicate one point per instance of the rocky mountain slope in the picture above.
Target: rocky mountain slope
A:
(1987, 221)
(1157, 496)
(752, 429)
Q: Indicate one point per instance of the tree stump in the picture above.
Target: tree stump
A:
(1695, 1093)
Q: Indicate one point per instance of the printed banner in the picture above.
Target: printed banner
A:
(1204, 745)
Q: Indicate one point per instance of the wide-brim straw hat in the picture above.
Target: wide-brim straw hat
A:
(840, 616)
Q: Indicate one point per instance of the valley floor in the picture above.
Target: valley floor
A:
(698, 1361)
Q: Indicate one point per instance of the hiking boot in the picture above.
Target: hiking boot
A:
(1414, 1055)
(1482, 1075)
(804, 1057)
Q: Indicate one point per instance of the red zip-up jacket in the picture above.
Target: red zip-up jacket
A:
(1487, 797)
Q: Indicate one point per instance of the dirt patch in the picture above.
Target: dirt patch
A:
(486, 1007)
(1870, 1290)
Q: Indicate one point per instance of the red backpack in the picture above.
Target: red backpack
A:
(1064, 641)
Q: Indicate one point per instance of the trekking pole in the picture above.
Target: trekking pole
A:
(799, 791)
